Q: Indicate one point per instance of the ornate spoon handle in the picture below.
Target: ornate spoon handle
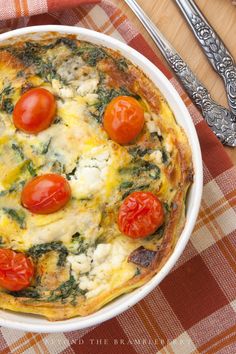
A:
(221, 120)
(217, 53)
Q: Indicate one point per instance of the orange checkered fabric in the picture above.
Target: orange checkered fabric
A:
(193, 309)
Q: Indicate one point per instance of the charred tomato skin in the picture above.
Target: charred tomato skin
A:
(123, 119)
(140, 215)
(46, 194)
(16, 270)
(34, 111)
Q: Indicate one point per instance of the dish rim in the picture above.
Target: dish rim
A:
(34, 323)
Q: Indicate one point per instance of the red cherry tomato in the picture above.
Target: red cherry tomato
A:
(123, 119)
(140, 215)
(46, 194)
(34, 111)
(16, 270)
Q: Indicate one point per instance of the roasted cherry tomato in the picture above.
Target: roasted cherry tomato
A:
(46, 194)
(34, 111)
(123, 119)
(140, 214)
(16, 270)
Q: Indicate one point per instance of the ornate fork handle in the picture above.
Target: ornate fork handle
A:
(221, 120)
(217, 53)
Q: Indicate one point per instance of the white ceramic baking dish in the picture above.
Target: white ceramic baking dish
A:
(38, 324)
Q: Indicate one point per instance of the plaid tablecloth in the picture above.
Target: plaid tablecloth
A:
(193, 310)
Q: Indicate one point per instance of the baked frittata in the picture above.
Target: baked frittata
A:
(74, 255)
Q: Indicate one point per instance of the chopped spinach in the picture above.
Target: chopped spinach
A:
(105, 96)
(70, 43)
(6, 102)
(38, 250)
(46, 70)
(165, 157)
(33, 47)
(68, 289)
(157, 235)
(76, 236)
(137, 272)
(160, 231)
(20, 74)
(16, 215)
(95, 54)
(82, 247)
(57, 120)
(138, 151)
(155, 173)
(126, 184)
(18, 150)
(12, 189)
(29, 54)
(6, 91)
(78, 243)
(32, 54)
(46, 147)
(123, 91)
(7, 105)
(147, 166)
(72, 173)
(91, 54)
(29, 163)
(140, 166)
(29, 292)
(136, 188)
(156, 135)
(122, 64)
(166, 207)
(31, 168)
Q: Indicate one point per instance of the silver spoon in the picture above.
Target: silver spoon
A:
(220, 119)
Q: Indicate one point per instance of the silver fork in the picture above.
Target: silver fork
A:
(220, 119)
(215, 50)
